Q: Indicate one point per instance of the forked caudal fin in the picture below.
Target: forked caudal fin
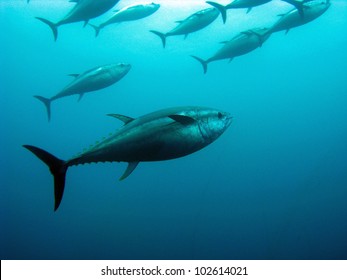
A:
(161, 35)
(58, 169)
(203, 62)
(52, 25)
(220, 8)
(96, 28)
(47, 103)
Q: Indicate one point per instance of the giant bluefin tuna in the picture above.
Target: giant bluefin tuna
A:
(162, 135)
(129, 13)
(311, 10)
(84, 10)
(249, 4)
(191, 24)
(91, 80)
(241, 44)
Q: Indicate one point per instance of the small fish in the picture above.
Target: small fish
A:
(191, 24)
(84, 10)
(162, 135)
(310, 11)
(129, 13)
(241, 44)
(91, 80)
(249, 4)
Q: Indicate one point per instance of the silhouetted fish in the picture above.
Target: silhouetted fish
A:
(128, 13)
(84, 10)
(91, 80)
(241, 44)
(191, 24)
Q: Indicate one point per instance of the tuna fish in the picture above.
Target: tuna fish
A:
(311, 11)
(241, 44)
(84, 10)
(128, 13)
(162, 135)
(249, 4)
(191, 24)
(91, 80)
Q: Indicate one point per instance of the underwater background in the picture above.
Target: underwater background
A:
(273, 186)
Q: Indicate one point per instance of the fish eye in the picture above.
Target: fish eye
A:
(220, 115)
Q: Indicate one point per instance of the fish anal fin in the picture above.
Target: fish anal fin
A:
(122, 118)
(185, 120)
(131, 167)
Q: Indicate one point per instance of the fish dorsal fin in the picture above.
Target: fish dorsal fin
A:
(122, 118)
(131, 166)
(185, 120)
(74, 75)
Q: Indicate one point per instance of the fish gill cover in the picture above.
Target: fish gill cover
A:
(273, 186)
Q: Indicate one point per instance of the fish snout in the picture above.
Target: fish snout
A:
(125, 66)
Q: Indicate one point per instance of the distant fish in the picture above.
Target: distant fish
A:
(84, 10)
(91, 80)
(162, 135)
(129, 13)
(191, 24)
(249, 4)
(311, 10)
(241, 44)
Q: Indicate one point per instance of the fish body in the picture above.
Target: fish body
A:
(129, 13)
(162, 135)
(193, 23)
(310, 11)
(241, 44)
(91, 80)
(84, 10)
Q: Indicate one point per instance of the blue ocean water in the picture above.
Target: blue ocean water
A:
(273, 186)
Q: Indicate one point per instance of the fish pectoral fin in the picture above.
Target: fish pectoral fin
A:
(179, 21)
(223, 42)
(122, 118)
(74, 75)
(131, 166)
(185, 120)
(115, 11)
(80, 97)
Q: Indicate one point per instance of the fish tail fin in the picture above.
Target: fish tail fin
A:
(96, 28)
(220, 8)
(58, 169)
(203, 62)
(52, 25)
(161, 35)
(47, 103)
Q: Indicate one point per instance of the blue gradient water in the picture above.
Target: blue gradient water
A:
(274, 186)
